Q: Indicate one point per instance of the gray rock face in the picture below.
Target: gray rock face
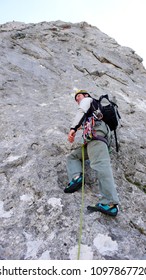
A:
(41, 66)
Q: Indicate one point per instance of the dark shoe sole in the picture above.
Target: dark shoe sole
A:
(73, 188)
(99, 209)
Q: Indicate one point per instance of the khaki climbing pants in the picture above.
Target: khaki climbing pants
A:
(98, 155)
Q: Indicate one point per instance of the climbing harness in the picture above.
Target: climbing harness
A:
(82, 205)
(89, 133)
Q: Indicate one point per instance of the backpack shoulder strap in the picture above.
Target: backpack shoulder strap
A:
(93, 107)
(95, 104)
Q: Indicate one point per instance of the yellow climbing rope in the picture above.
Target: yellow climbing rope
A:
(82, 205)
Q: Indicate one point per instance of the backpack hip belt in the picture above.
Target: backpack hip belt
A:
(100, 138)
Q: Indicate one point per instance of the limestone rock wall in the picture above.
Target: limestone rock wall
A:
(41, 66)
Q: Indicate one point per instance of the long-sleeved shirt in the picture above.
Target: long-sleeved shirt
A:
(81, 113)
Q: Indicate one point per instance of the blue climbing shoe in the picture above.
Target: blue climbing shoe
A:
(111, 210)
(74, 185)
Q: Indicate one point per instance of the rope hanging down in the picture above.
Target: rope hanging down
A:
(82, 205)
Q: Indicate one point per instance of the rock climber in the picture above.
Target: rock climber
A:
(96, 150)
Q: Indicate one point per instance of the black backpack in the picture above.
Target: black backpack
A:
(110, 114)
